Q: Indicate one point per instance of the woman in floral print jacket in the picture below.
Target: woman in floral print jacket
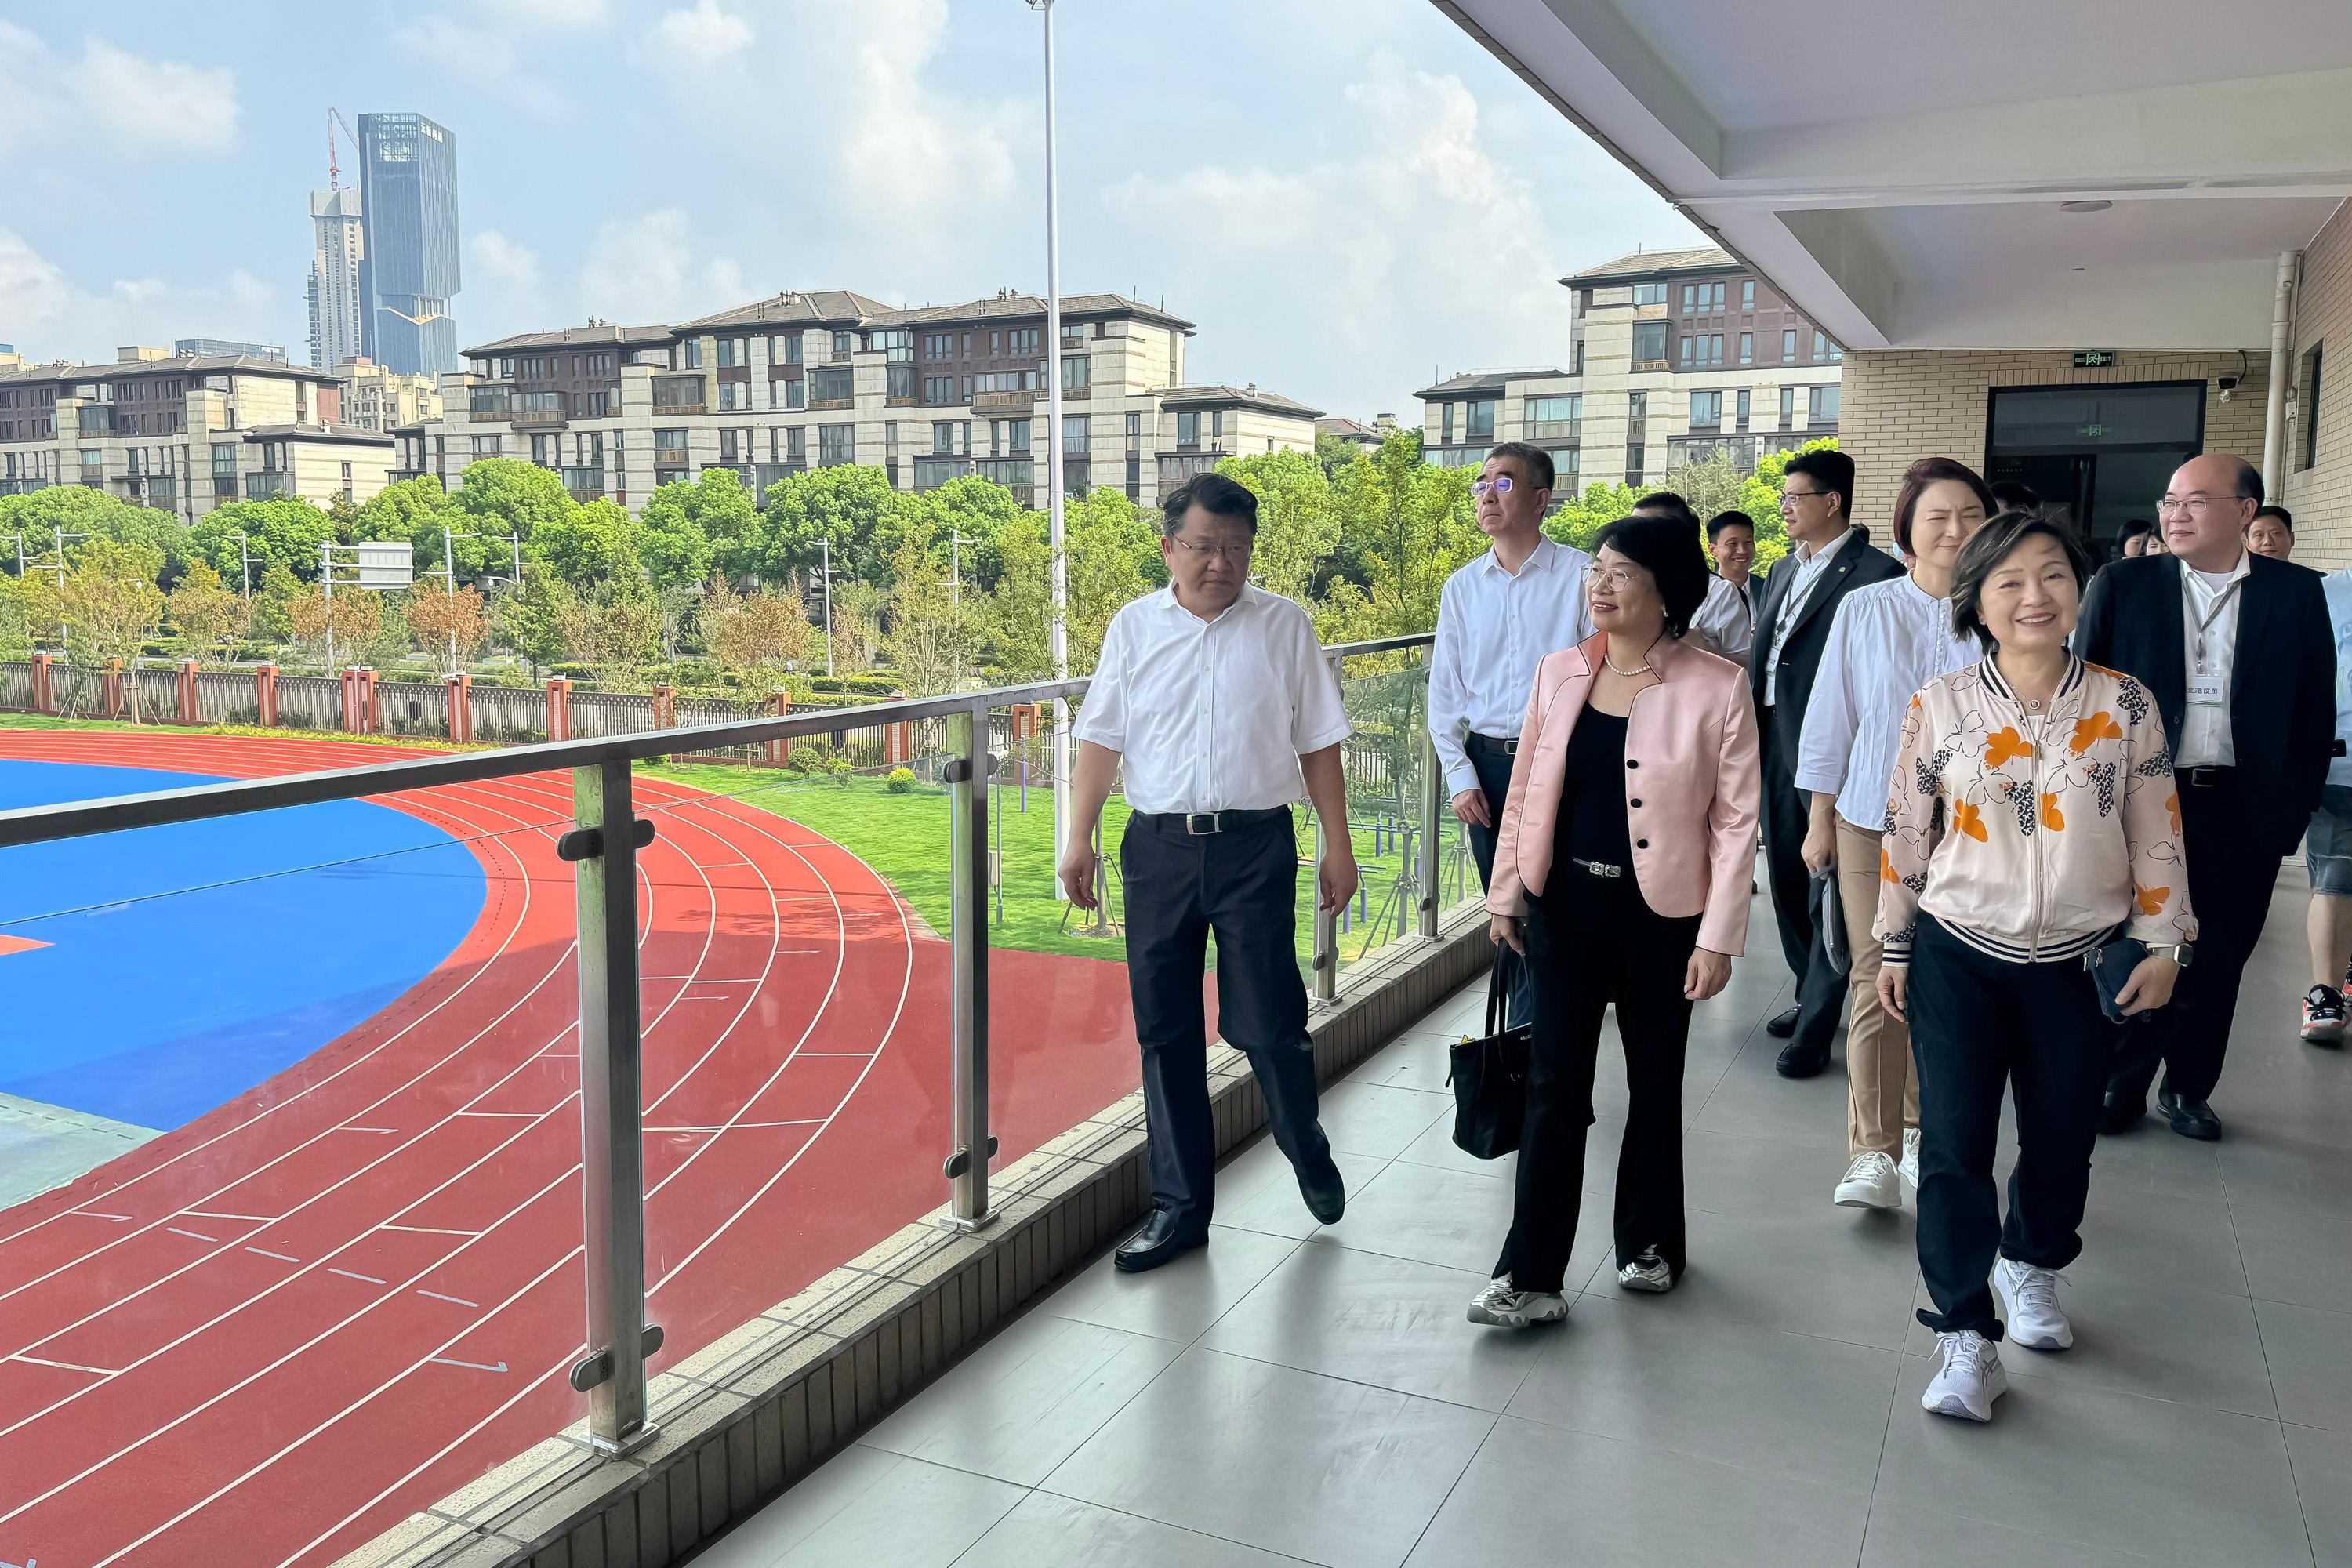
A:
(2031, 819)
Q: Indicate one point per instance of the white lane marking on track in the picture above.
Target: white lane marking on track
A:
(429, 1229)
(211, 1214)
(87, 1214)
(66, 1365)
(469, 1366)
(362, 1279)
(459, 1300)
(278, 1256)
(193, 1236)
(386, 1132)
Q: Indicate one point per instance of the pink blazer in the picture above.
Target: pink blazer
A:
(1692, 787)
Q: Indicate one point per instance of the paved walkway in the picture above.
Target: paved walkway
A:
(1298, 1394)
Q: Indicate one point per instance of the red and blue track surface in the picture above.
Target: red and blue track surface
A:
(350, 1280)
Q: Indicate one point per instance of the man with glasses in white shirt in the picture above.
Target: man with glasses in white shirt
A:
(2238, 652)
(1216, 698)
(1497, 617)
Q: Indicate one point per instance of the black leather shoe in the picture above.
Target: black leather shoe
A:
(1802, 1061)
(1163, 1240)
(2189, 1117)
(2120, 1113)
(1784, 1025)
(1325, 1192)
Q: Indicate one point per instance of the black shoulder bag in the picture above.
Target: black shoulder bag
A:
(1489, 1078)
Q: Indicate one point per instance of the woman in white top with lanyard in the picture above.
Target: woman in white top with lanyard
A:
(1889, 639)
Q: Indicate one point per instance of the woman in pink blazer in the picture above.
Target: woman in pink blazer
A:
(1623, 868)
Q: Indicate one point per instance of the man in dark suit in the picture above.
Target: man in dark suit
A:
(2239, 654)
(1831, 557)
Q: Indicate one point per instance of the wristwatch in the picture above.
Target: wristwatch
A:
(2181, 952)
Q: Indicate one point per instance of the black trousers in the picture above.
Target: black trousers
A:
(1980, 1024)
(1592, 940)
(1494, 766)
(2231, 877)
(1243, 884)
(1821, 989)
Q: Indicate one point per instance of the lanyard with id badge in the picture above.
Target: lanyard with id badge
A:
(2207, 689)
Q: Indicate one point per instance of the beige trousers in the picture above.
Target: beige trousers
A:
(1882, 1083)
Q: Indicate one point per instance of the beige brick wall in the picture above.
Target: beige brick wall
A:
(1902, 405)
(2321, 495)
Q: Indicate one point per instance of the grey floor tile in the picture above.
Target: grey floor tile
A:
(1330, 1471)
(1733, 1174)
(1181, 1300)
(2266, 1170)
(2152, 1160)
(1435, 1147)
(1417, 1058)
(1812, 1409)
(1753, 1100)
(1905, 1535)
(2323, 1476)
(2167, 1481)
(1539, 1494)
(1389, 1322)
(2132, 1233)
(2303, 1258)
(1452, 1218)
(864, 1506)
(1820, 1274)
(1025, 1401)
(1257, 1190)
(1048, 1529)
(1371, 1119)
(2309, 1351)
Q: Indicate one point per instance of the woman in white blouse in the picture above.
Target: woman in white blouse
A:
(1888, 640)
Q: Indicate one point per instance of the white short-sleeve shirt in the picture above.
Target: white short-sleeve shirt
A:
(1212, 715)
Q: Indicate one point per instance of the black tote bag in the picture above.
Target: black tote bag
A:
(1489, 1078)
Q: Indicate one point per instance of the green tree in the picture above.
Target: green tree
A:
(591, 544)
(284, 530)
(615, 631)
(206, 612)
(273, 605)
(507, 496)
(16, 617)
(926, 637)
(530, 620)
(688, 526)
(1711, 487)
(1297, 522)
(109, 600)
(417, 510)
(1405, 525)
(851, 506)
(1579, 520)
(77, 508)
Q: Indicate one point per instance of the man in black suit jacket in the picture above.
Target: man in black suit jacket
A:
(1830, 559)
(2239, 654)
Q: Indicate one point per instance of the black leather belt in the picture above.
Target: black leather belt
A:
(2207, 778)
(1597, 867)
(1200, 823)
(1501, 745)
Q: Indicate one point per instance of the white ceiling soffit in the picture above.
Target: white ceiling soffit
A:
(1898, 169)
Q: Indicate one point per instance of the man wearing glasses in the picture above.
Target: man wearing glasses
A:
(1497, 617)
(2239, 654)
(1829, 557)
(1217, 699)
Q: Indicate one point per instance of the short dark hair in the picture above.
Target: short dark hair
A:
(2014, 497)
(1666, 503)
(1994, 544)
(1831, 471)
(2135, 527)
(1667, 549)
(2286, 518)
(1534, 459)
(1212, 493)
(1934, 471)
(2249, 486)
(1723, 519)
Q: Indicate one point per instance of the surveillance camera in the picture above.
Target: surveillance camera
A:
(2229, 387)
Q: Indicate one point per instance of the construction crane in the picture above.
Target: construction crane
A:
(334, 171)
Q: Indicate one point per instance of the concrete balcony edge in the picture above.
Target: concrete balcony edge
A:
(748, 1415)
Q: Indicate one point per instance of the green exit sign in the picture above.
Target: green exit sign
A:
(2093, 359)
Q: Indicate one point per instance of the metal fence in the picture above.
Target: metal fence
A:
(226, 696)
(514, 714)
(413, 708)
(311, 702)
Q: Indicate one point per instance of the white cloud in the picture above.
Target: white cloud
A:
(917, 152)
(648, 269)
(51, 317)
(120, 101)
(499, 261)
(480, 52)
(703, 35)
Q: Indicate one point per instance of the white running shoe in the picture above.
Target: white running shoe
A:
(1969, 1377)
(1870, 1183)
(1500, 1307)
(1909, 1163)
(1648, 1272)
(2029, 1296)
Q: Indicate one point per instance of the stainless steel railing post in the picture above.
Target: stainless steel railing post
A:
(972, 1146)
(1432, 821)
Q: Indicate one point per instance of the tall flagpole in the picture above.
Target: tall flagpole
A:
(1060, 628)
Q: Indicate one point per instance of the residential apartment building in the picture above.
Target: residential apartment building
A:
(802, 380)
(184, 433)
(375, 398)
(408, 258)
(1673, 356)
(338, 240)
(225, 348)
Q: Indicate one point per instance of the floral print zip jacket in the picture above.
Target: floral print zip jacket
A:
(2033, 838)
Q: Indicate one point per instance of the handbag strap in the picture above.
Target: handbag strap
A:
(1498, 995)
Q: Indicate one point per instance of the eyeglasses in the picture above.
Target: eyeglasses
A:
(1236, 553)
(1610, 579)
(1787, 496)
(2194, 507)
(1500, 485)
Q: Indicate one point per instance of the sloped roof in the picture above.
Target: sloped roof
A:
(602, 334)
(1236, 396)
(184, 365)
(1643, 263)
(1485, 381)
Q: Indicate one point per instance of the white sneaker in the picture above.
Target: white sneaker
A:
(1870, 1183)
(1500, 1307)
(1967, 1379)
(2030, 1297)
(1647, 1272)
(1909, 1163)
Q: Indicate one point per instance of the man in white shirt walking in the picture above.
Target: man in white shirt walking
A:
(1216, 698)
(1727, 618)
(1497, 617)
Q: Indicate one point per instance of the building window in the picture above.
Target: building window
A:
(727, 448)
(1690, 291)
(1649, 346)
(938, 345)
(1554, 418)
(1633, 459)
(223, 461)
(1789, 342)
(1575, 365)
(1649, 293)
(1715, 297)
(899, 385)
(1748, 348)
(1820, 346)
(1788, 407)
(1188, 425)
(1444, 423)
(669, 447)
(843, 343)
(1742, 415)
(1706, 410)
(485, 446)
(943, 438)
(793, 394)
(727, 392)
(897, 345)
(1748, 295)
(1689, 345)
(832, 387)
(796, 445)
(835, 444)
(1022, 341)
(1076, 437)
(792, 347)
(1821, 404)
(1217, 425)
(2306, 400)
(726, 353)
(1077, 373)
(1480, 426)
(693, 353)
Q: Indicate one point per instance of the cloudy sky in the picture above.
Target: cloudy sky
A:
(1345, 195)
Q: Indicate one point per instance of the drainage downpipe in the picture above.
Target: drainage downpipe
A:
(2290, 263)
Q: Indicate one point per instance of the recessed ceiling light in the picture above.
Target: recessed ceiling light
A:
(2093, 206)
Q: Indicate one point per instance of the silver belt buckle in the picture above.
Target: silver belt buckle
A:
(1192, 819)
(1598, 869)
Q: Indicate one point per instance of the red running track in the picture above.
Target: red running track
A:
(266, 1336)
